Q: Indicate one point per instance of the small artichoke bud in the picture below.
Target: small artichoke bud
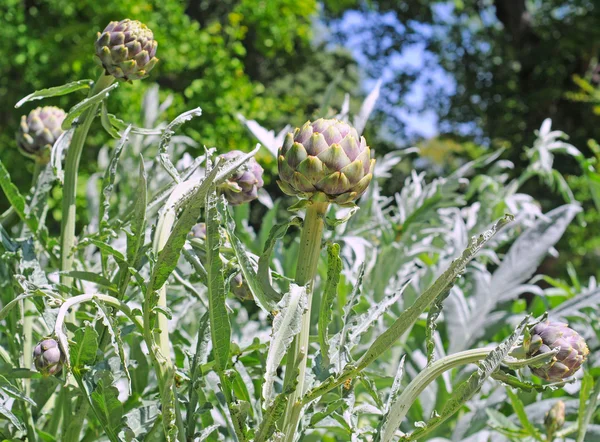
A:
(126, 50)
(198, 231)
(48, 357)
(239, 287)
(242, 186)
(555, 419)
(39, 131)
(547, 336)
(325, 157)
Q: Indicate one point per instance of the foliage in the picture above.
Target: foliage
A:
(419, 325)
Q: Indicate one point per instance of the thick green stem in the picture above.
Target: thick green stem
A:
(69, 208)
(308, 258)
(163, 231)
(29, 308)
(425, 377)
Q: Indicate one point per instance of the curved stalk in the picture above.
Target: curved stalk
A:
(71, 302)
(306, 268)
(430, 373)
(69, 208)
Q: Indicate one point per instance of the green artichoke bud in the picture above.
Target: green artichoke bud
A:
(48, 357)
(325, 158)
(547, 336)
(39, 131)
(239, 287)
(126, 50)
(242, 186)
(555, 419)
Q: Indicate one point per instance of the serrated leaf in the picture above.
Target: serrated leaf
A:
(442, 284)
(56, 91)
(286, 325)
(343, 349)
(165, 139)
(108, 180)
(518, 265)
(110, 321)
(109, 409)
(199, 358)
(135, 239)
(80, 107)
(277, 407)
(334, 270)
(84, 347)
(220, 328)
(432, 315)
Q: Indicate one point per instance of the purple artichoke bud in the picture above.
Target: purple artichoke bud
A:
(199, 231)
(39, 131)
(242, 186)
(48, 358)
(326, 157)
(555, 418)
(240, 288)
(547, 336)
(126, 50)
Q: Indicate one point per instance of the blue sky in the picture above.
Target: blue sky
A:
(422, 123)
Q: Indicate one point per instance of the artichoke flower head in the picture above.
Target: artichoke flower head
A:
(325, 160)
(39, 131)
(547, 336)
(126, 50)
(48, 357)
(243, 185)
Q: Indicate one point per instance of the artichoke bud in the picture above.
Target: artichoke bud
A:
(48, 357)
(39, 131)
(126, 50)
(242, 186)
(325, 159)
(547, 336)
(239, 287)
(555, 418)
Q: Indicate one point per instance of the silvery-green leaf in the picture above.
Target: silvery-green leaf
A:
(286, 325)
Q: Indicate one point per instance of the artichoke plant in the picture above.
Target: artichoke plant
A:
(39, 131)
(242, 186)
(327, 160)
(547, 336)
(126, 50)
(48, 358)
